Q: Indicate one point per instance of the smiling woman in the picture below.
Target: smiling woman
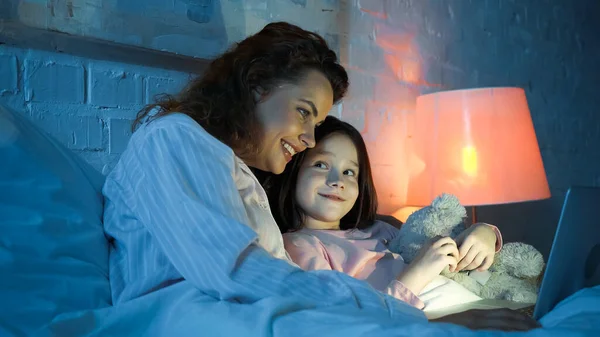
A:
(288, 117)
(183, 203)
(269, 90)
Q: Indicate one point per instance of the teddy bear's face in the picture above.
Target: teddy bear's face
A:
(439, 219)
(438, 223)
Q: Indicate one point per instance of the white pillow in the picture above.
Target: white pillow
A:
(443, 292)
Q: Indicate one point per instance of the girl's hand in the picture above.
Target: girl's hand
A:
(477, 247)
(430, 262)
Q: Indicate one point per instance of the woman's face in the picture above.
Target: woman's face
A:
(288, 116)
(327, 185)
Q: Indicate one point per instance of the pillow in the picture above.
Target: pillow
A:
(53, 252)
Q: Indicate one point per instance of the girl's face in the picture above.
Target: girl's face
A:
(288, 116)
(327, 185)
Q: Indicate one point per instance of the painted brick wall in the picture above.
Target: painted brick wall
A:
(199, 28)
(88, 105)
(399, 49)
(394, 50)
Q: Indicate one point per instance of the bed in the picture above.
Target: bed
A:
(55, 276)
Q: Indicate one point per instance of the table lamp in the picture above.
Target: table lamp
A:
(478, 144)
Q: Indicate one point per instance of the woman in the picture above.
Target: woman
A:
(182, 202)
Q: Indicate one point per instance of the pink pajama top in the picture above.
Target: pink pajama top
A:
(362, 254)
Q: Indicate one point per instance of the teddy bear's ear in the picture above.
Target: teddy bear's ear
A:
(449, 205)
(414, 216)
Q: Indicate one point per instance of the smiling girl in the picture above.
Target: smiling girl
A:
(327, 206)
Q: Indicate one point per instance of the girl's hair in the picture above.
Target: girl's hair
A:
(222, 99)
(281, 189)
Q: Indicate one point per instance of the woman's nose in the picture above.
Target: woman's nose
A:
(308, 138)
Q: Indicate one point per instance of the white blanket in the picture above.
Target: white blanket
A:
(181, 310)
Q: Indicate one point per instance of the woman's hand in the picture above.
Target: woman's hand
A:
(476, 248)
(493, 319)
(432, 259)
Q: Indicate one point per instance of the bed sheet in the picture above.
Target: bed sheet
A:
(181, 310)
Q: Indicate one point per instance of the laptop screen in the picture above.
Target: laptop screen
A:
(575, 254)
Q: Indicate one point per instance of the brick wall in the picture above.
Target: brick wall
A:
(87, 105)
(400, 49)
(199, 28)
(394, 50)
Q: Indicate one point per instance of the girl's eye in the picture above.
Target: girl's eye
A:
(304, 113)
(321, 165)
(350, 173)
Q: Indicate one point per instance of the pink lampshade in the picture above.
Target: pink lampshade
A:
(477, 144)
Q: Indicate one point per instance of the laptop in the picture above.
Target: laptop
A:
(573, 264)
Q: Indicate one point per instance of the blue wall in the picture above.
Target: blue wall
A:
(394, 51)
(88, 105)
(178, 26)
(397, 50)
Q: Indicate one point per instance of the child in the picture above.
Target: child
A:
(325, 203)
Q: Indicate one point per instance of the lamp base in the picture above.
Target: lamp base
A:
(473, 215)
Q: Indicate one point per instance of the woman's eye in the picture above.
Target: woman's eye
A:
(304, 113)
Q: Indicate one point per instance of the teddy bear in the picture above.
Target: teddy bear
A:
(514, 275)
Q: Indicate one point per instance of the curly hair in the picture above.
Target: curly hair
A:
(222, 99)
(281, 189)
